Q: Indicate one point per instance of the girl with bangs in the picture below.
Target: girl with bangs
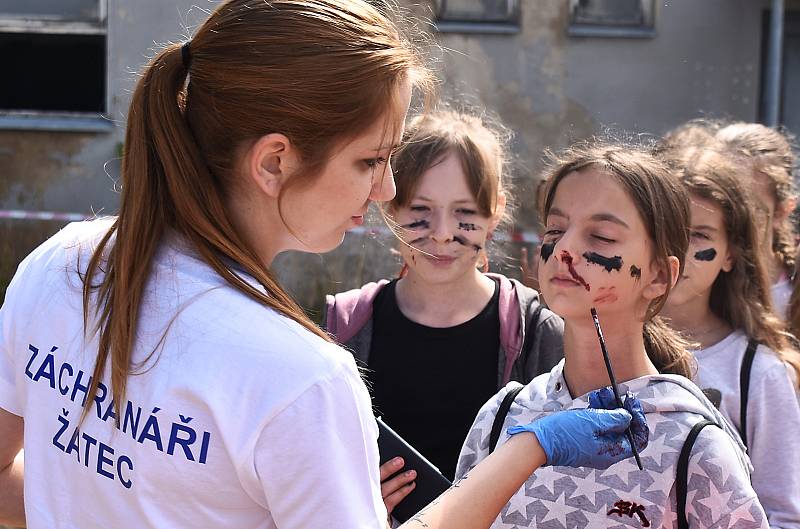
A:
(444, 327)
(617, 225)
(723, 304)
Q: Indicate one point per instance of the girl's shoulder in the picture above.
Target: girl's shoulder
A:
(347, 312)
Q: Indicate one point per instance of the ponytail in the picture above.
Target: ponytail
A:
(166, 184)
(253, 68)
(667, 349)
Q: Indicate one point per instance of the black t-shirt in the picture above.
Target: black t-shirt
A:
(429, 383)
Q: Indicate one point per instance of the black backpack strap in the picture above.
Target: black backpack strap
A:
(744, 387)
(500, 418)
(682, 474)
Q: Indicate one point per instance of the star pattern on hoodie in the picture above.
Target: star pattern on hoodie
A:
(567, 498)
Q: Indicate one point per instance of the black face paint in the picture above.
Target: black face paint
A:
(609, 263)
(706, 255)
(636, 272)
(417, 224)
(547, 250)
(463, 242)
(468, 226)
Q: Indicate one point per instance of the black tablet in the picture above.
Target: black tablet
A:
(430, 482)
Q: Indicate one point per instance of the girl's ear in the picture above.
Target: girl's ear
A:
(662, 277)
(499, 211)
(269, 162)
(730, 258)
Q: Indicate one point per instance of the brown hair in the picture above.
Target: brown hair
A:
(771, 154)
(694, 133)
(663, 206)
(318, 71)
(479, 143)
(742, 296)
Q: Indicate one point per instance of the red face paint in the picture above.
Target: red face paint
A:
(566, 258)
(607, 295)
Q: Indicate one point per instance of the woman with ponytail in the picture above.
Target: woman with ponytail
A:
(615, 239)
(153, 369)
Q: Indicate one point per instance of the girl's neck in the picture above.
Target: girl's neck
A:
(443, 304)
(584, 367)
(695, 320)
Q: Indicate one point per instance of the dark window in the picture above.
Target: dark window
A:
(608, 12)
(497, 11)
(612, 18)
(54, 57)
(50, 9)
(53, 73)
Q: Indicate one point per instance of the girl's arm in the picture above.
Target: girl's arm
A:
(477, 498)
(12, 508)
(579, 438)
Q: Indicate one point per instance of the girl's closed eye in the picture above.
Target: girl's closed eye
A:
(419, 209)
(699, 235)
(465, 211)
(603, 239)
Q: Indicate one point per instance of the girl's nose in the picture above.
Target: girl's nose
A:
(442, 226)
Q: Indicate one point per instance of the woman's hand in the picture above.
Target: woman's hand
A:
(394, 490)
(593, 437)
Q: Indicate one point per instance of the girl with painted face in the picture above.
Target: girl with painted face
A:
(154, 370)
(445, 327)
(722, 303)
(616, 233)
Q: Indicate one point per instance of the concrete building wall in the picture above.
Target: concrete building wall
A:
(548, 87)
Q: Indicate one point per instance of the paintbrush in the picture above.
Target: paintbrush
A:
(613, 379)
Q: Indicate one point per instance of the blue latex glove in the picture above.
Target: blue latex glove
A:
(593, 437)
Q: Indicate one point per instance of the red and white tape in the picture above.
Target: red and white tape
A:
(516, 236)
(20, 214)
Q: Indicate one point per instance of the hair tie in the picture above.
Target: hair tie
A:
(186, 54)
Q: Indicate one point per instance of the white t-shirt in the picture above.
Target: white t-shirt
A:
(241, 418)
(773, 420)
(781, 295)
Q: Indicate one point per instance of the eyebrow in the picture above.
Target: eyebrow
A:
(704, 227)
(387, 147)
(608, 217)
(597, 217)
(462, 201)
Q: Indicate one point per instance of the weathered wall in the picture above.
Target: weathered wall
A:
(548, 87)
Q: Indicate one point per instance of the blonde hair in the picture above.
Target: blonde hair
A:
(314, 70)
(770, 152)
